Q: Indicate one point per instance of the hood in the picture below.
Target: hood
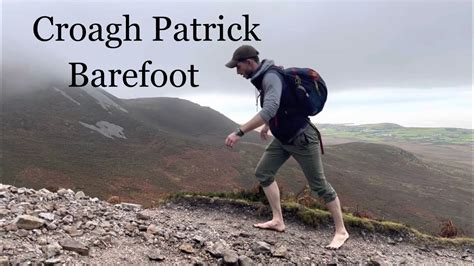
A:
(266, 64)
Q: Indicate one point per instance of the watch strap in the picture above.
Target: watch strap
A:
(239, 132)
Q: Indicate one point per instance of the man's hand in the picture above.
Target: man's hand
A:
(252, 124)
(264, 133)
(231, 140)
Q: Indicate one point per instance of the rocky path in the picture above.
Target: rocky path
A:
(46, 227)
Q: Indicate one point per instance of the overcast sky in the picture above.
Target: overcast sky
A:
(405, 62)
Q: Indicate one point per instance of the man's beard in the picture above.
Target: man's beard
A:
(250, 74)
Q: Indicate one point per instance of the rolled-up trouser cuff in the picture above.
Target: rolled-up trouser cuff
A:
(265, 181)
(328, 194)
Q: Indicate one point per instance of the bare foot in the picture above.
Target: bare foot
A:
(275, 225)
(338, 240)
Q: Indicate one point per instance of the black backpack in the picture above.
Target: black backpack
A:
(309, 88)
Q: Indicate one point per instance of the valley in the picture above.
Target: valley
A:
(144, 149)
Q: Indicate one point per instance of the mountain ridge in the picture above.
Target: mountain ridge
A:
(44, 144)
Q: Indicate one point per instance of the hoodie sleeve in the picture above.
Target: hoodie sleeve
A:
(272, 87)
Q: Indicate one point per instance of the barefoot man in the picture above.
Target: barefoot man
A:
(294, 135)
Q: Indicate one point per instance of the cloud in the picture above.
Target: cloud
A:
(441, 107)
(355, 45)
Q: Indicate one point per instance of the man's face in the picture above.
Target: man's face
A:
(244, 68)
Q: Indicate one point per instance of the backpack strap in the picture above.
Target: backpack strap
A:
(319, 136)
(258, 82)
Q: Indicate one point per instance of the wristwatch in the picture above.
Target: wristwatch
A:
(239, 132)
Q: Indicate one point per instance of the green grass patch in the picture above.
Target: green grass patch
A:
(389, 132)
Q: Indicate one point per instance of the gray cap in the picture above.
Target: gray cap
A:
(240, 54)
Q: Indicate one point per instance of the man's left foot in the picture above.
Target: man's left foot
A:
(338, 240)
(275, 225)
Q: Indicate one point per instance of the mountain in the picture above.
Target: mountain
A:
(89, 139)
(185, 118)
(142, 149)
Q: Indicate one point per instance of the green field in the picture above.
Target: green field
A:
(396, 133)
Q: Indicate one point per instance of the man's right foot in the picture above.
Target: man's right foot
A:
(338, 240)
(278, 226)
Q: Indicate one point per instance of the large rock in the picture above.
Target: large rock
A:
(91, 224)
(62, 192)
(80, 195)
(44, 191)
(72, 230)
(29, 222)
(11, 227)
(4, 213)
(53, 261)
(130, 206)
(245, 261)
(230, 258)
(52, 250)
(47, 216)
(143, 216)
(152, 229)
(22, 233)
(180, 235)
(261, 247)
(73, 245)
(51, 226)
(216, 250)
(281, 252)
(155, 255)
(4, 260)
(68, 219)
(187, 248)
(199, 240)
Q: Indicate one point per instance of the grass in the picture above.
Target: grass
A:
(379, 132)
(317, 217)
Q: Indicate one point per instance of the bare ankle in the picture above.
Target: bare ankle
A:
(342, 231)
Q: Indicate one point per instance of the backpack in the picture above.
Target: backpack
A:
(308, 87)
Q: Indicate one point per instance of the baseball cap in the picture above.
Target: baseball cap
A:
(240, 54)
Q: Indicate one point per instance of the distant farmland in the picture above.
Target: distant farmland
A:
(396, 133)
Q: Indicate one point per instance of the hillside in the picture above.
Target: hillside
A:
(71, 227)
(394, 184)
(90, 139)
(143, 149)
(185, 118)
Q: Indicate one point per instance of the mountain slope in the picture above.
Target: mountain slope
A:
(92, 140)
(394, 184)
(143, 149)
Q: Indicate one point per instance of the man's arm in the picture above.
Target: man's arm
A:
(272, 86)
(252, 124)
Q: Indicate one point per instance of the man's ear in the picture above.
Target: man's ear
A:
(249, 62)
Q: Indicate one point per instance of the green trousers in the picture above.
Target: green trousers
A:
(306, 150)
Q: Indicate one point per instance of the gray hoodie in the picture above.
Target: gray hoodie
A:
(272, 87)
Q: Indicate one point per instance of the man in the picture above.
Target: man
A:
(294, 135)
